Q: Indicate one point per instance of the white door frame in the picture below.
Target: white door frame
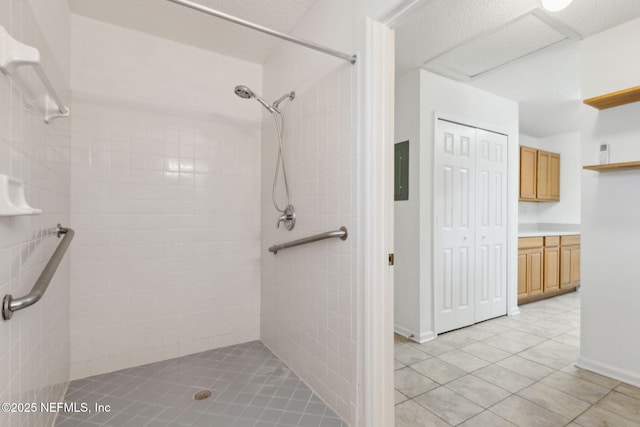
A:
(375, 163)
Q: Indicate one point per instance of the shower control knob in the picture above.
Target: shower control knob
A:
(288, 217)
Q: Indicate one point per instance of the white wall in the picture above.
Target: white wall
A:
(610, 226)
(567, 210)
(165, 197)
(34, 360)
(407, 212)
(309, 294)
(475, 107)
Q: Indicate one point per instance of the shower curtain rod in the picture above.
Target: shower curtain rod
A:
(195, 6)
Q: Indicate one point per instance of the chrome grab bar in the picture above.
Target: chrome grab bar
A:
(341, 233)
(9, 305)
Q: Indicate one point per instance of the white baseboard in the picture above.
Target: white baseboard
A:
(407, 333)
(623, 375)
(514, 311)
(419, 338)
(427, 336)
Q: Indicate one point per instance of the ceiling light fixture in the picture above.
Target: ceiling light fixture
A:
(555, 5)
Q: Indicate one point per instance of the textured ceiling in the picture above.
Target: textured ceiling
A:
(517, 39)
(170, 21)
(547, 83)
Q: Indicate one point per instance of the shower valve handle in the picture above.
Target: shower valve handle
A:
(288, 218)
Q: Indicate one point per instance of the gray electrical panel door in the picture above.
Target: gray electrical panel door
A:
(401, 172)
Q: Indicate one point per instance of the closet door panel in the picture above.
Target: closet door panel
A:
(490, 225)
(454, 217)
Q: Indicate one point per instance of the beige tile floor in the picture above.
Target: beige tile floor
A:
(510, 371)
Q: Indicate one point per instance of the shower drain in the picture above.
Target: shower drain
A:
(202, 394)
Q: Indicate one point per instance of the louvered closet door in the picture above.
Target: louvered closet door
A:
(454, 204)
(491, 225)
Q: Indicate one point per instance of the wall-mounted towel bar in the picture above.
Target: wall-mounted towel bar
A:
(14, 54)
(9, 305)
(341, 233)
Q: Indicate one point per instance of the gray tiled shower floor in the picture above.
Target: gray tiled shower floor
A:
(250, 387)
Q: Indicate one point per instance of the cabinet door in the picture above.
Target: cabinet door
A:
(528, 166)
(565, 267)
(551, 269)
(575, 265)
(522, 273)
(536, 271)
(554, 176)
(542, 176)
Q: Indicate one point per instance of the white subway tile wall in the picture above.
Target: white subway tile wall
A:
(167, 211)
(309, 292)
(35, 344)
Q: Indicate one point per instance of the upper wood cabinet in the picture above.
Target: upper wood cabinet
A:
(528, 172)
(539, 175)
(548, 176)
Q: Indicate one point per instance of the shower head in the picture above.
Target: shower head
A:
(246, 93)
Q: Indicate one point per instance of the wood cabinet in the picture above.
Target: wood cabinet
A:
(548, 176)
(570, 262)
(547, 266)
(530, 267)
(528, 172)
(539, 175)
(551, 264)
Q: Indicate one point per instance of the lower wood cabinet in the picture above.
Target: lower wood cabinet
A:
(570, 262)
(547, 266)
(551, 264)
(530, 267)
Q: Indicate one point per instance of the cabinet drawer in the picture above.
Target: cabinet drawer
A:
(570, 240)
(530, 242)
(551, 241)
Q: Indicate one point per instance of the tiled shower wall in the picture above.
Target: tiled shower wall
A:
(309, 292)
(34, 355)
(167, 209)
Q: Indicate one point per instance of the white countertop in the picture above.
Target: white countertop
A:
(540, 233)
(547, 229)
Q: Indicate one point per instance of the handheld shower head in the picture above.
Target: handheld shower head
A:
(243, 92)
(246, 93)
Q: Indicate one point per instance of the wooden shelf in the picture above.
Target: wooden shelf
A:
(614, 99)
(614, 167)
